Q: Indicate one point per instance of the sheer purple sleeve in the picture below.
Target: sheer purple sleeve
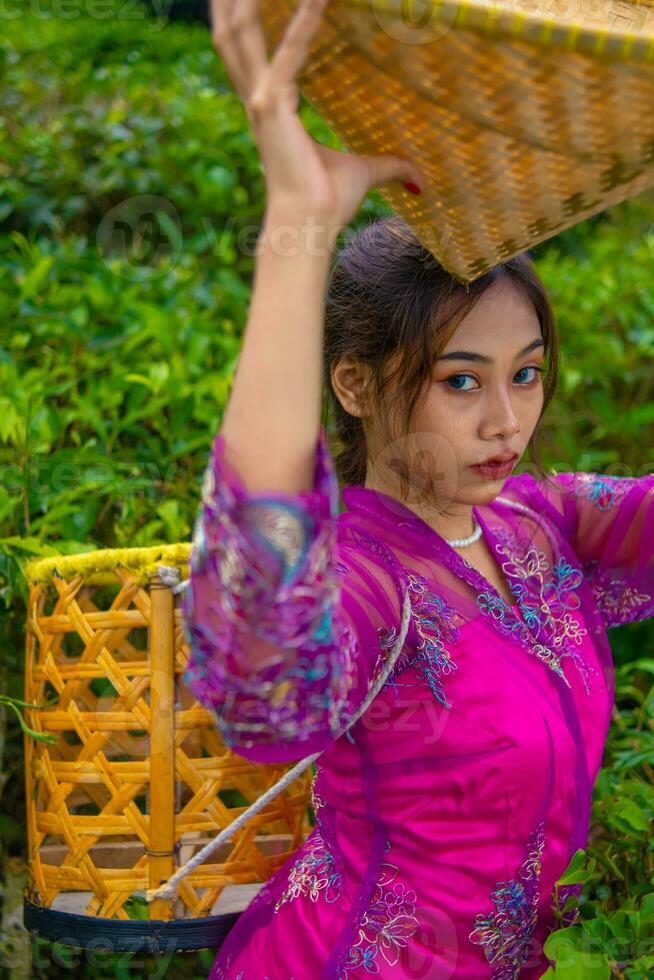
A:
(286, 617)
(609, 522)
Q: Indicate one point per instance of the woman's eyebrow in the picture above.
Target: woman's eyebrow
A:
(468, 355)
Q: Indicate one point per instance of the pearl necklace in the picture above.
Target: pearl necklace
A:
(462, 542)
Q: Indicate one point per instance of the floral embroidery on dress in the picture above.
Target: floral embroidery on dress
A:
(505, 935)
(375, 547)
(604, 491)
(317, 802)
(496, 608)
(618, 601)
(546, 595)
(387, 639)
(313, 874)
(436, 623)
(386, 926)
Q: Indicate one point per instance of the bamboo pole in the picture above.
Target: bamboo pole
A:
(162, 745)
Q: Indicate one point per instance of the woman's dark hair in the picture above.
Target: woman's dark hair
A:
(387, 295)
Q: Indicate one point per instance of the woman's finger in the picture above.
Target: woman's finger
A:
(248, 39)
(220, 11)
(238, 37)
(293, 49)
(385, 168)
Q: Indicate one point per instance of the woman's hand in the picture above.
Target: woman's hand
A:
(302, 176)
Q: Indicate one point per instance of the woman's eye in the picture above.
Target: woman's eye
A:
(454, 378)
(537, 371)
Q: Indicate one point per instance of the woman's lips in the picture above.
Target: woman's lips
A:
(495, 471)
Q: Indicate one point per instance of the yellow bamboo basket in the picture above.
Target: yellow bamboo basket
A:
(136, 779)
(524, 116)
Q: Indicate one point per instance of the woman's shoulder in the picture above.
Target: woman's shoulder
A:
(358, 536)
(538, 499)
(521, 491)
(541, 493)
(523, 486)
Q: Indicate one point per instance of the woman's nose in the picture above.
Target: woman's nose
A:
(500, 417)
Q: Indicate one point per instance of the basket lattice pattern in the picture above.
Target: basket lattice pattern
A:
(137, 778)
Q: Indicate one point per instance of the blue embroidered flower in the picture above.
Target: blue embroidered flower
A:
(546, 594)
(436, 623)
(495, 606)
(505, 934)
(604, 491)
(562, 591)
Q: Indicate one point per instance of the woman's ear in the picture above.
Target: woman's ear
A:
(350, 378)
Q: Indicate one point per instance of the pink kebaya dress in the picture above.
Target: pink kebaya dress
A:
(449, 809)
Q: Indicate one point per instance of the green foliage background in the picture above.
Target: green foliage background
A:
(116, 363)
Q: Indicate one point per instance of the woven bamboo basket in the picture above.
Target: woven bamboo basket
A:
(524, 116)
(137, 778)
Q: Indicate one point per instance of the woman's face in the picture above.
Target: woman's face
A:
(484, 400)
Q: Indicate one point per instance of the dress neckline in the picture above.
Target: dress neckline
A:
(388, 509)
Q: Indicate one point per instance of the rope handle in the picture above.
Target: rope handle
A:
(169, 575)
(169, 888)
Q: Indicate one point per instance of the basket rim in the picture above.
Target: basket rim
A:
(42, 570)
(495, 19)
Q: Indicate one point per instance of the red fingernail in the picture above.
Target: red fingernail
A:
(410, 186)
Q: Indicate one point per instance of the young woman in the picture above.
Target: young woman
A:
(445, 814)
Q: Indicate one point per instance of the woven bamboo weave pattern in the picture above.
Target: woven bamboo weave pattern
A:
(137, 778)
(524, 117)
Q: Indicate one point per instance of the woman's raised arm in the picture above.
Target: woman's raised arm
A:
(286, 623)
(271, 421)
